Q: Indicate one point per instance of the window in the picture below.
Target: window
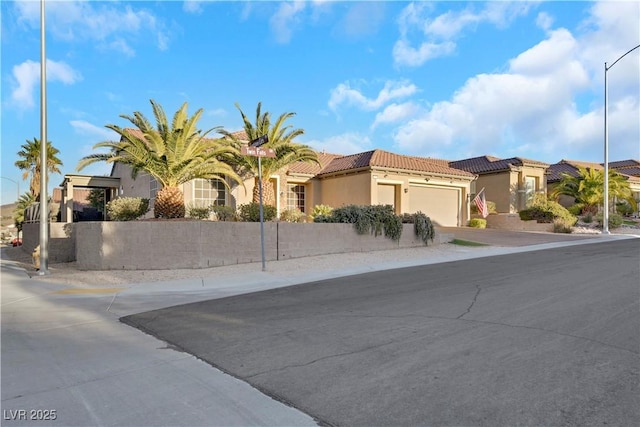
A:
(208, 192)
(529, 188)
(295, 197)
(153, 188)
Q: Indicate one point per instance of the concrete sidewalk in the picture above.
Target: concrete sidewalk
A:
(66, 355)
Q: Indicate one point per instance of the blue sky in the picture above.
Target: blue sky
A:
(449, 80)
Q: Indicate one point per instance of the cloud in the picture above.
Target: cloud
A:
(346, 143)
(192, 6)
(436, 36)
(83, 127)
(286, 20)
(343, 94)
(362, 19)
(27, 76)
(109, 24)
(395, 113)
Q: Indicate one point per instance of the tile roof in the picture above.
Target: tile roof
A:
(484, 164)
(308, 168)
(624, 167)
(385, 159)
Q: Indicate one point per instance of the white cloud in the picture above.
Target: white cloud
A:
(544, 21)
(104, 22)
(83, 127)
(395, 113)
(346, 143)
(286, 20)
(192, 6)
(27, 76)
(344, 94)
(436, 36)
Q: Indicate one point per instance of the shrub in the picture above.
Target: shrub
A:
(624, 208)
(491, 207)
(291, 215)
(588, 218)
(376, 219)
(478, 223)
(423, 227)
(561, 226)
(324, 210)
(127, 208)
(198, 211)
(250, 212)
(575, 209)
(615, 220)
(224, 213)
(546, 211)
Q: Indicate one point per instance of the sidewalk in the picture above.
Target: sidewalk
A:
(64, 350)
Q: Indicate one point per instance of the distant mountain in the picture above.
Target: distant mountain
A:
(6, 212)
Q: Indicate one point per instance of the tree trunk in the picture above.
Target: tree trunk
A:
(268, 192)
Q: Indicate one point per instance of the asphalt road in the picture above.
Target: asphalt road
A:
(538, 338)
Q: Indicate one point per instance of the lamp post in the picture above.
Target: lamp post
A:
(605, 217)
(44, 206)
(17, 186)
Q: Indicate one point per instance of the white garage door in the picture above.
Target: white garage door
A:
(442, 205)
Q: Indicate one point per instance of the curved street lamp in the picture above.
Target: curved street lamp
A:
(605, 218)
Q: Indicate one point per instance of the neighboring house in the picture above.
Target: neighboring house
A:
(630, 169)
(509, 183)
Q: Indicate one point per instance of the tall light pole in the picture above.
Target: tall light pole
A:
(44, 208)
(605, 217)
(17, 186)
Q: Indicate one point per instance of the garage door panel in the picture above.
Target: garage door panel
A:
(440, 204)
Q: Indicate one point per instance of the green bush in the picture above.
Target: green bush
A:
(291, 215)
(562, 226)
(588, 218)
(127, 208)
(575, 209)
(224, 213)
(324, 210)
(423, 227)
(198, 211)
(250, 212)
(624, 208)
(478, 223)
(615, 220)
(376, 219)
(546, 211)
(491, 208)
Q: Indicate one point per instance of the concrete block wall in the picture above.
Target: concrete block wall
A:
(61, 240)
(513, 222)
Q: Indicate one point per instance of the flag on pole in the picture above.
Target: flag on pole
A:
(481, 203)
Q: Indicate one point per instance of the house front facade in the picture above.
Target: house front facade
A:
(510, 183)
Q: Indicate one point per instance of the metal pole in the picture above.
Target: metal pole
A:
(261, 212)
(44, 208)
(605, 214)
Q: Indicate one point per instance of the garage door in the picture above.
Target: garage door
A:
(440, 204)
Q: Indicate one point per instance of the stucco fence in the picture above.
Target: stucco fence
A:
(156, 245)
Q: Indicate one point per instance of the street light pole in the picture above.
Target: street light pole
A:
(605, 216)
(44, 208)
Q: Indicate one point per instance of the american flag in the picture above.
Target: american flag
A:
(481, 204)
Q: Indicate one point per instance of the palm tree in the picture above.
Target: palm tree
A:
(30, 163)
(26, 200)
(280, 140)
(172, 153)
(587, 187)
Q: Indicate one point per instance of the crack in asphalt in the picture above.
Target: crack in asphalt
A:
(475, 298)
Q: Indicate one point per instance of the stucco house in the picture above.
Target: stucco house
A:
(509, 183)
(410, 184)
(629, 169)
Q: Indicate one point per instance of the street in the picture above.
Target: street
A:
(547, 337)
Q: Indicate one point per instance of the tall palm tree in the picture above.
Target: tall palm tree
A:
(30, 161)
(587, 187)
(281, 140)
(25, 200)
(173, 153)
